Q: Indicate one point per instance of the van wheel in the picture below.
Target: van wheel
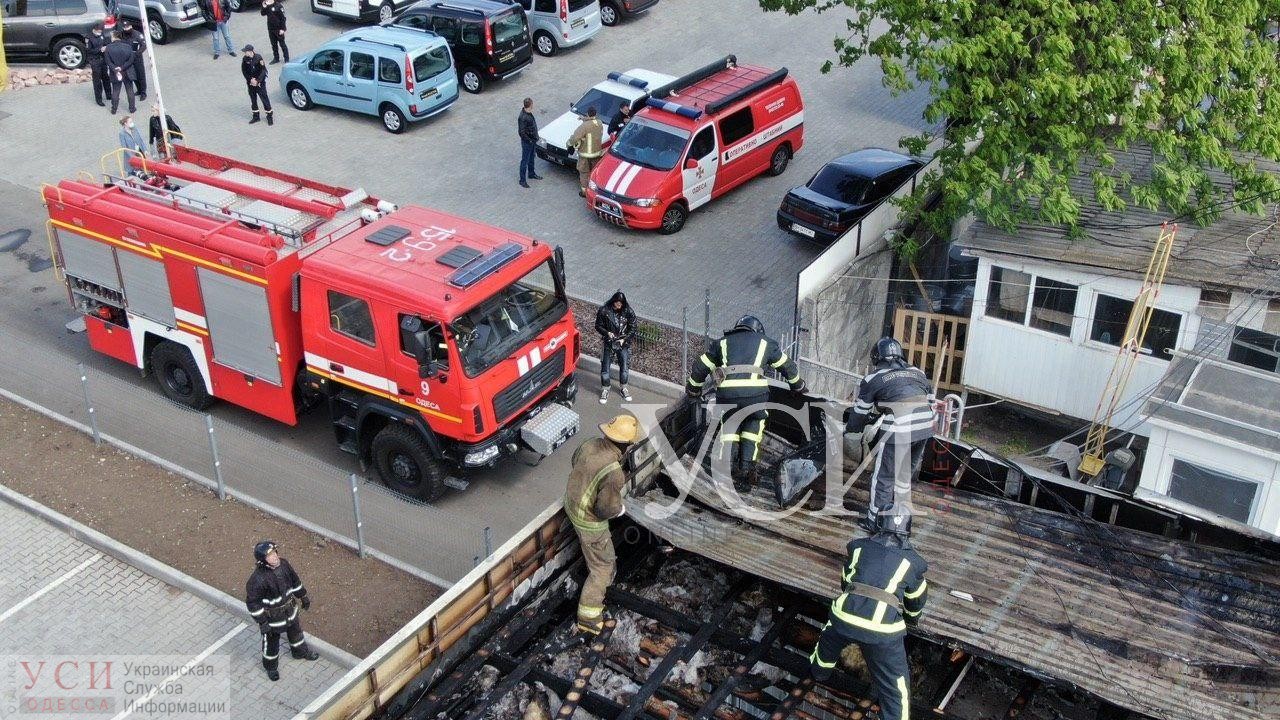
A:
(778, 162)
(405, 464)
(68, 53)
(608, 14)
(157, 29)
(386, 12)
(544, 43)
(392, 119)
(299, 97)
(472, 80)
(179, 376)
(673, 219)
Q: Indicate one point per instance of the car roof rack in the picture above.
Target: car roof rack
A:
(772, 78)
(397, 46)
(450, 6)
(702, 73)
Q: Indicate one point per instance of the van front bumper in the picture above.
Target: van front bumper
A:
(616, 211)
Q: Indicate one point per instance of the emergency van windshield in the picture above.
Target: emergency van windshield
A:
(497, 327)
(650, 144)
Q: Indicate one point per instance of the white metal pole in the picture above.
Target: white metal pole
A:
(155, 75)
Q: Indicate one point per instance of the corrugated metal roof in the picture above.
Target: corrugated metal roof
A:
(1160, 627)
(1238, 250)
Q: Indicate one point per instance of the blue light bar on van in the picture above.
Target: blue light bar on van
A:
(634, 82)
(678, 109)
(485, 265)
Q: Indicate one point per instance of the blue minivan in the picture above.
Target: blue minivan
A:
(399, 75)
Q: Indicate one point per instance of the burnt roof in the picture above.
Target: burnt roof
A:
(1236, 251)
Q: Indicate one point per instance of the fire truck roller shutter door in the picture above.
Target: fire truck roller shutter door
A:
(89, 260)
(240, 325)
(146, 288)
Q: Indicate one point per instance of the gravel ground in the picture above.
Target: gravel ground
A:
(357, 603)
(660, 358)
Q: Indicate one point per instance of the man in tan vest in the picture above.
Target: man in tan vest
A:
(594, 497)
(588, 139)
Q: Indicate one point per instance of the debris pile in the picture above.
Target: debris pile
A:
(30, 77)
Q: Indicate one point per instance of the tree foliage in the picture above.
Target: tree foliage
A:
(1034, 87)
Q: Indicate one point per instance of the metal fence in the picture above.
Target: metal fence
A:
(231, 461)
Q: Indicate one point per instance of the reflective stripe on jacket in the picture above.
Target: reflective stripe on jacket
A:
(902, 394)
(594, 494)
(899, 571)
(745, 357)
(270, 594)
(588, 139)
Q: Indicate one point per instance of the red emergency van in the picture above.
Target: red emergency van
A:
(698, 137)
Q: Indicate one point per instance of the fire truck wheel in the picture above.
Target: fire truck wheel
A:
(778, 162)
(673, 219)
(405, 464)
(179, 376)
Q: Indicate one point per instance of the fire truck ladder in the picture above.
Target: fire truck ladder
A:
(1135, 333)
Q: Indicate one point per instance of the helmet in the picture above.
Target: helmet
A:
(888, 524)
(886, 349)
(749, 322)
(261, 550)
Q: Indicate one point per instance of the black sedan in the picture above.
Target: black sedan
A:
(843, 192)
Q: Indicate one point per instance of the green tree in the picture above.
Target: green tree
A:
(1033, 87)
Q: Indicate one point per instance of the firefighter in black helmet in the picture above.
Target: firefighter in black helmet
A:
(883, 592)
(273, 594)
(744, 356)
(901, 394)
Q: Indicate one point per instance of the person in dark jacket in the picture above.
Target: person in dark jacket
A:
(119, 56)
(901, 394)
(743, 357)
(620, 119)
(616, 323)
(159, 143)
(98, 64)
(527, 126)
(274, 12)
(139, 43)
(218, 13)
(883, 593)
(255, 78)
(273, 595)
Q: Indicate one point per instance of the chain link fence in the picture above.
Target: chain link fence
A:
(332, 501)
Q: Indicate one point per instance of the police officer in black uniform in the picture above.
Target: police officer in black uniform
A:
(139, 43)
(273, 595)
(901, 394)
(98, 64)
(120, 56)
(883, 593)
(255, 79)
(744, 355)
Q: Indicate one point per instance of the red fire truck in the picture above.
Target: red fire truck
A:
(438, 344)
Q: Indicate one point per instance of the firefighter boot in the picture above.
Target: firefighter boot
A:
(273, 675)
(739, 474)
(256, 118)
(270, 118)
(591, 626)
(304, 652)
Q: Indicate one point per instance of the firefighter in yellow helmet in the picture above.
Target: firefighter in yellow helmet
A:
(594, 497)
(588, 140)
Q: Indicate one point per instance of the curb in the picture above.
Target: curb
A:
(157, 569)
(587, 363)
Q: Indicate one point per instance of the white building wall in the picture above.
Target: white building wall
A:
(1064, 374)
(1173, 442)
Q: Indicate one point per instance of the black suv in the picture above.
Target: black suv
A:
(54, 28)
(489, 38)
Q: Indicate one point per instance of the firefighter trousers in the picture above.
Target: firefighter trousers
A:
(585, 166)
(741, 431)
(897, 465)
(602, 563)
(886, 663)
(271, 644)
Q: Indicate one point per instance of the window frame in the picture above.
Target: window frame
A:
(1259, 492)
(311, 65)
(385, 62)
(373, 328)
(431, 326)
(351, 65)
(465, 24)
(1031, 307)
(1151, 353)
(728, 138)
(708, 130)
(987, 304)
(541, 5)
(453, 36)
(1236, 331)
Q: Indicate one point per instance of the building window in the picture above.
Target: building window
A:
(1255, 348)
(1218, 492)
(1007, 294)
(1111, 317)
(350, 316)
(1053, 306)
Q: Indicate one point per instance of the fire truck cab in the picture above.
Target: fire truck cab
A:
(436, 344)
(697, 138)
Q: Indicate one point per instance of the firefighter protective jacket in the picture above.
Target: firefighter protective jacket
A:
(594, 495)
(270, 595)
(745, 356)
(897, 571)
(588, 139)
(902, 394)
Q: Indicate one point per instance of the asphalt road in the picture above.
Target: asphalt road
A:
(464, 161)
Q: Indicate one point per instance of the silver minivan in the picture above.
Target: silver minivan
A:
(556, 24)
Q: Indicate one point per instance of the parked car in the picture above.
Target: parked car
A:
(359, 10)
(399, 75)
(489, 38)
(631, 87)
(843, 191)
(50, 28)
(613, 11)
(556, 24)
(163, 16)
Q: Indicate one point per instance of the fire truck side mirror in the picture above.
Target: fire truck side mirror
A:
(559, 266)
